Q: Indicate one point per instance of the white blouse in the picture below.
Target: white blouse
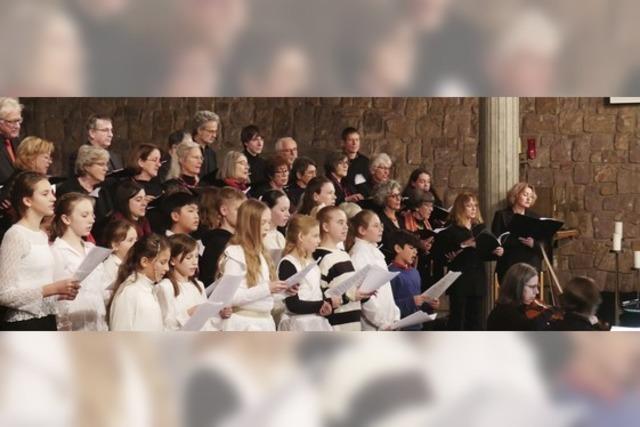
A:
(26, 265)
(380, 310)
(110, 268)
(135, 306)
(87, 312)
(175, 308)
(252, 305)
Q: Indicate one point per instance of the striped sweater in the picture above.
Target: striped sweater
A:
(335, 267)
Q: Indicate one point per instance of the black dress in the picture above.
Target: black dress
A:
(214, 242)
(468, 293)
(387, 235)
(514, 250)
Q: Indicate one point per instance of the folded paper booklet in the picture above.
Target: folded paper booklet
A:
(417, 318)
(203, 313)
(296, 278)
(93, 259)
(441, 286)
(223, 289)
(538, 228)
(355, 280)
(375, 278)
(440, 214)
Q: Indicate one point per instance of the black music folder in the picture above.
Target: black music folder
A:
(538, 228)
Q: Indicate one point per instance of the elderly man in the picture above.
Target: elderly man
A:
(10, 121)
(206, 125)
(287, 147)
(99, 134)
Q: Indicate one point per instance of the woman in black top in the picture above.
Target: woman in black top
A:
(145, 165)
(302, 171)
(517, 249)
(456, 247)
(336, 167)
(388, 200)
(518, 291)
(580, 300)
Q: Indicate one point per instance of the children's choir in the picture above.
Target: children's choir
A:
(174, 231)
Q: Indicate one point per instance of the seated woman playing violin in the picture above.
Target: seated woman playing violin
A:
(579, 302)
(517, 308)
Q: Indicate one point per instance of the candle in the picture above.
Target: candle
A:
(636, 259)
(618, 229)
(617, 242)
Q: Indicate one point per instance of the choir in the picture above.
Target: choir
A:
(177, 223)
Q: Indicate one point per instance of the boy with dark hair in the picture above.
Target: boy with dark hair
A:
(181, 211)
(253, 145)
(406, 286)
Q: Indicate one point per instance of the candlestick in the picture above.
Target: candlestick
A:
(618, 228)
(636, 260)
(617, 242)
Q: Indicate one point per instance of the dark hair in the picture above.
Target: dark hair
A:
(149, 247)
(513, 283)
(361, 219)
(271, 197)
(306, 201)
(300, 166)
(174, 202)
(332, 160)
(248, 133)
(125, 192)
(580, 295)
(272, 165)
(403, 238)
(415, 198)
(348, 131)
(415, 174)
(93, 120)
(175, 138)
(64, 206)
(116, 231)
(23, 186)
(181, 245)
(141, 152)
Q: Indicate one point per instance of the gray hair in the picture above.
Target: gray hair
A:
(203, 116)
(382, 191)
(228, 168)
(378, 160)
(89, 155)
(9, 104)
(282, 140)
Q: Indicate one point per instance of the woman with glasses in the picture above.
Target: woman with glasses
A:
(303, 170)
(277, 173)
(145, 165)
(234, 172)
(518, 291)
(10, 122)
(336, 167)
(388, 198)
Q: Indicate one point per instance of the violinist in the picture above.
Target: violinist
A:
(517, 308)
(520, 199)
(579, 301)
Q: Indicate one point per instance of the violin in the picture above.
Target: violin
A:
(540, 311)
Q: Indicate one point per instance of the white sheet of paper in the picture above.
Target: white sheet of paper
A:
(296, 278)
(203, 313)
(95, 192)
(224, 289)
(359, 179)
(355, 280)
(416, 318)
(376, 277)
(90, 262)
(442, 285)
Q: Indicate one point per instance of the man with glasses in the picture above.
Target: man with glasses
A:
(287, 147)
(99, 130)
(253, 146)
(206, 125)
(10, 122)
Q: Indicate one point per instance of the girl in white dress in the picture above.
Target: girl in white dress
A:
(72, 223)
(365, 233)
(307, 310)
(134, 306)
(246, 256)
(27, 286)
(119, 235)
(180, 293)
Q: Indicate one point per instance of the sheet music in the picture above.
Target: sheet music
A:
(94, 258)
(355, 280)
(376, 277)
(441, 286)
(224, 289)
(417, 318)
(296, 278)
(203, 313)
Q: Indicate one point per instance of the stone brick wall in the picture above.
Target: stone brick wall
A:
(588, 163)
(440, 134)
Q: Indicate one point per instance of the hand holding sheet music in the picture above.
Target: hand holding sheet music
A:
(355, 280)
(441, 286)
(296, 278)
(417, 318)
(203, 313)
(94, 258)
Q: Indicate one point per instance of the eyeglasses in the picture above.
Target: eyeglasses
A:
(16, 122)
(289, 150)
(384, 168)
(395, 196)
(101, 164)
(209, 131)
(282, 172)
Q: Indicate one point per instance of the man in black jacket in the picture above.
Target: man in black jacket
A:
(205, 128)
(99, 134)
(358, 173)
(10, 122)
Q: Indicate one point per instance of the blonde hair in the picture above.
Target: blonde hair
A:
(361, 219)
(518, 189)
(30, 148)
(457, 210)
(228, 168)
(299, 224)
(89, 155)
(325, 215)
(182, 152)
(249, 236)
